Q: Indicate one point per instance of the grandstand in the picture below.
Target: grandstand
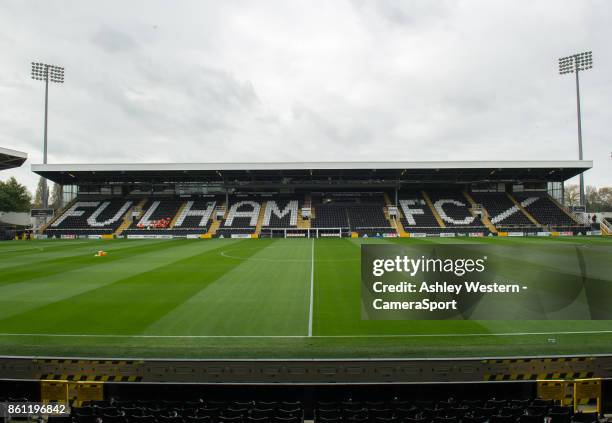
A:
(315, 199)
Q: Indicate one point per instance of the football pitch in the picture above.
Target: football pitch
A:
(243, 298)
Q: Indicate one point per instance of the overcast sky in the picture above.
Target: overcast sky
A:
(199, 81)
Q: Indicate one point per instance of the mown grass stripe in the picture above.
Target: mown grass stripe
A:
(130, 304)
(28, 295)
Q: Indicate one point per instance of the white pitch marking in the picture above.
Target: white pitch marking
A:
(311, 307)
(419, 335)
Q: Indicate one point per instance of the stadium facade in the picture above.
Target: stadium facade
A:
(314, 199)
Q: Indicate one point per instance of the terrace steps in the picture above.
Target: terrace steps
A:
(216, 223)
(394, 222)
(127, 218)
(214, 226)
(260, 218)
(484, 217)
(177, 214)
(523, 210)
(433, 210)
(127, 221)
(301, 222)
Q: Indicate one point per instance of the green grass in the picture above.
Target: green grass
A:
(248, 299)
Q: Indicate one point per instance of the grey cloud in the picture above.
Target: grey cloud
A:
(343, 80)
(112, 40)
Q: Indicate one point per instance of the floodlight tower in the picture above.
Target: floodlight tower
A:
(574, 64)
(47, 73)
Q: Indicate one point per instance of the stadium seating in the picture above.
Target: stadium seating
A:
(362, 214)
(415, 212)
(502, 211)
(190, 411)
(332, 215)
(157, 214)
(281, 213)
(196, 215)
(364, 217)
(374, 409)
(241, 217)
(437, 212)
(453, 208)
(546, 211)
(89, 217)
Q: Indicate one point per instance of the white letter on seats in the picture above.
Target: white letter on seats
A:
(188, 211)
(252, 214)
(73, 212)
(291, 208)
(410, 213)
(438, 205)
(93, 219)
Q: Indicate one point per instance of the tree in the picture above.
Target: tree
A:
(40, 189)
(14, 197)
(572, 195)
(605, 195)
(592, 198)
(599, 200)
(56, 196)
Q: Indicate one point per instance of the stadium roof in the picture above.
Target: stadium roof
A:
(320, 172)
(11, 158)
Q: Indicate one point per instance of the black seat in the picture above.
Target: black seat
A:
(561, 409)
(458, 412)
(538, 410)
(262, 413)
(381, 412)
(279, 419)
(485, 411)
(559, 417)
(358, 418)
(511, 411)
(213, 413)
(402, 412)
(198, 419)
(133, 411)
(503, 419)
(328, 414)
(584, 417)
(495, 403)
(423, 404)
(531, 418)
(472, 403)
(113, 418)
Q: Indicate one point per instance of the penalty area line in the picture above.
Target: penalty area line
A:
(416, 335)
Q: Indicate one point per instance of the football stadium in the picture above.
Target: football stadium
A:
(249, 273)
(359, 212)
(240, 286)
(263, 260)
